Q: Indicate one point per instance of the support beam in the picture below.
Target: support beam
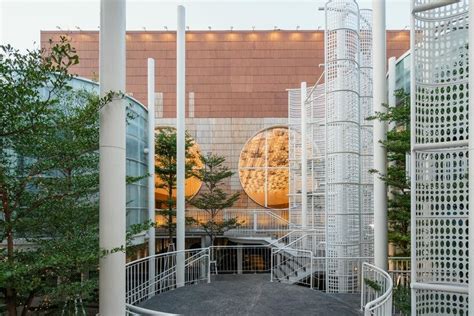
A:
(304, 160)
(471, 162)
(380, 134)
(180, 143)
(112, 158)
(151, 170)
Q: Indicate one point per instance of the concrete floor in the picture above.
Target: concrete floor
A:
(251, 294)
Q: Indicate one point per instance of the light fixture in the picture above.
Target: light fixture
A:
(166, 28)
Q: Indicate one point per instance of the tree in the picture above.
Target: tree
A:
(49, 180)
(397, 146)
(213, 199)
(165, 171)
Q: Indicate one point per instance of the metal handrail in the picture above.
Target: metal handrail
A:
(381, 305)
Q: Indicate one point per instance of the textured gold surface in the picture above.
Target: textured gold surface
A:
(263, 167)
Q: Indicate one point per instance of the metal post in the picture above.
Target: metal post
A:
(180, 144)
(151, 171)
(412, 160)
(471, 162)
(304, 159)
(380, 134)
(239, 259)
(112, 158)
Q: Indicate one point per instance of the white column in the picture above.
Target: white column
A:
(471, 162)
(304, 160)
(151, 168)
(413, 273)
(180, 140)
(380, 131)
(112, 158)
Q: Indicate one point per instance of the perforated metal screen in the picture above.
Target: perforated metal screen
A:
(440, 158)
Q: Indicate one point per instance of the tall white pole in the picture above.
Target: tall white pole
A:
(380, 134)
(413, 272)
(181, 130)
(304, 160)
(151, 168)
(112, 158)
(471, 161)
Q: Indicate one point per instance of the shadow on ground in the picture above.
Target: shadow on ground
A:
(251, 294)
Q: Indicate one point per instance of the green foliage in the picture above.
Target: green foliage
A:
(397, 145)
(373, 285)
(212, 198)
(402, 299)
(165, 171)
(49, 180)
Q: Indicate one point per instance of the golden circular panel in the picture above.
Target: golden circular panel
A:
(263, 168)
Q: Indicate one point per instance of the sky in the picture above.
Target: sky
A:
(22, 20)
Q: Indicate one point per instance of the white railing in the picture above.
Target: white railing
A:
(240, 259)
(141, 285)
(376, 291)
(252, 222)
(292, 266)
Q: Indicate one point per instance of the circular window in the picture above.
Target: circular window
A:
(263, 168)
(192, 184)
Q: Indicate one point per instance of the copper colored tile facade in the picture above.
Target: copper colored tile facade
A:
(234, 74)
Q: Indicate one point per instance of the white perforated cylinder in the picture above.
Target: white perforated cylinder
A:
(342, 74)
(440, 173)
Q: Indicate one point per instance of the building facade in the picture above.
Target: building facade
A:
(237, 100)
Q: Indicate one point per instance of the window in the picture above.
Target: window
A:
(263, 168)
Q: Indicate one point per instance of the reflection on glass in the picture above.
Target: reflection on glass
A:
(192, 184)
(263, 168)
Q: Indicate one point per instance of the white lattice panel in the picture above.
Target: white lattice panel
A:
(440, 184)
(343, 163)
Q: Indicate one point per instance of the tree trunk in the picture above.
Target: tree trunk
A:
(10, 300)
(27, 304)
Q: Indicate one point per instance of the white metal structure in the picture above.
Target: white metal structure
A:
(343, 203)
(376, 296)
(380, 134)
(366, 136)
(151, 161)
(439, 157)
(180, 140)
(112, 158)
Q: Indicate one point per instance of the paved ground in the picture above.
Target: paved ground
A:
(251, 294)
